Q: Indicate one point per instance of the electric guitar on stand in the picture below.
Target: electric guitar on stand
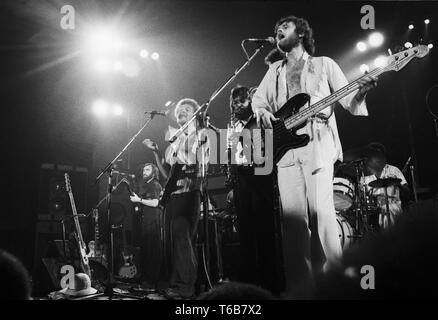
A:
(96, 248)
(128, 270)
(83, 259)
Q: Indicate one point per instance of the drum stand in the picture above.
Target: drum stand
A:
(361, 225)
(387, 213)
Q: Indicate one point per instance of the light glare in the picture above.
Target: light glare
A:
(364, 68)
(100, 108)
(380, 62)
(117, 109)
(361, 46)
(375, 39)
(102, 65)
(144, 53)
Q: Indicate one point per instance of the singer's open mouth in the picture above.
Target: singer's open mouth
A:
(280, 36)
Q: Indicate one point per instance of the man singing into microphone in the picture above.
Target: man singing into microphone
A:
(305, 175)
(183, 207)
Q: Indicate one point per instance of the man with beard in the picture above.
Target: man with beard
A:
(148, 191)
(183, 206)
(254, 202)
(305, 175)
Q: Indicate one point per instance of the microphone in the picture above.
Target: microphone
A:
(124, 174)
(160, 113)
(270, 40)
(406, 164)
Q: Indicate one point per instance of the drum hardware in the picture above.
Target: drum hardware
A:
(346, 232)
(344, 192)
(350, 194)
(385, 183)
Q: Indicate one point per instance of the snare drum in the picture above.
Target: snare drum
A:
(343, 193)
(345, 231)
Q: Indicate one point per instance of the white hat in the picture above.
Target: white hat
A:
(80, 287)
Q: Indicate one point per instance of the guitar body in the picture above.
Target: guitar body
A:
(128, 270)
(83, 255)
(170, 186)
(285, 139)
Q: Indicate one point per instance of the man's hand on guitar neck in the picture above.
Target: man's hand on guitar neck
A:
(365, 85)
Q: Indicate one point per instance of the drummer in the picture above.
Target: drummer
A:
(376, 165)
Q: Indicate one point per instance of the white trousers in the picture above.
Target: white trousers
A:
(302, 190)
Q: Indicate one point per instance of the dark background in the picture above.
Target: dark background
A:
(46, 98)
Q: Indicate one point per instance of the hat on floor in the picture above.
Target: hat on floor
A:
(80, 287)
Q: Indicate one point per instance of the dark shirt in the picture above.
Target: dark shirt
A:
(149, 190)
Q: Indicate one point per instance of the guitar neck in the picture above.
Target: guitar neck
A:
(96, 227)
(397, 62)
(75, 217)
(305, 114)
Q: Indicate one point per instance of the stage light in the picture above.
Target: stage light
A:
(361, 46)
(131, 67)
(380, 62)
(364, 68)
(102, 65)
(426, 21)
(375, 39)
(408, 45)
(430, 45)
(117, 66)
(117, 109)
(103, 40)
(155, 56)
(144, 53)
(100, 108)
(411, 26)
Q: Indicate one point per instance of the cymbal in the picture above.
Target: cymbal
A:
(384, 183)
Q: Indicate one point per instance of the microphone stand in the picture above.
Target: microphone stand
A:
(201, 115)
(110, 255)
(204, 107)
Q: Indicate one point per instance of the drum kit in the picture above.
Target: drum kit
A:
(357, 208)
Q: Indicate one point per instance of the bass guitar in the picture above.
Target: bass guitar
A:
(293, 117)
(83, 259)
